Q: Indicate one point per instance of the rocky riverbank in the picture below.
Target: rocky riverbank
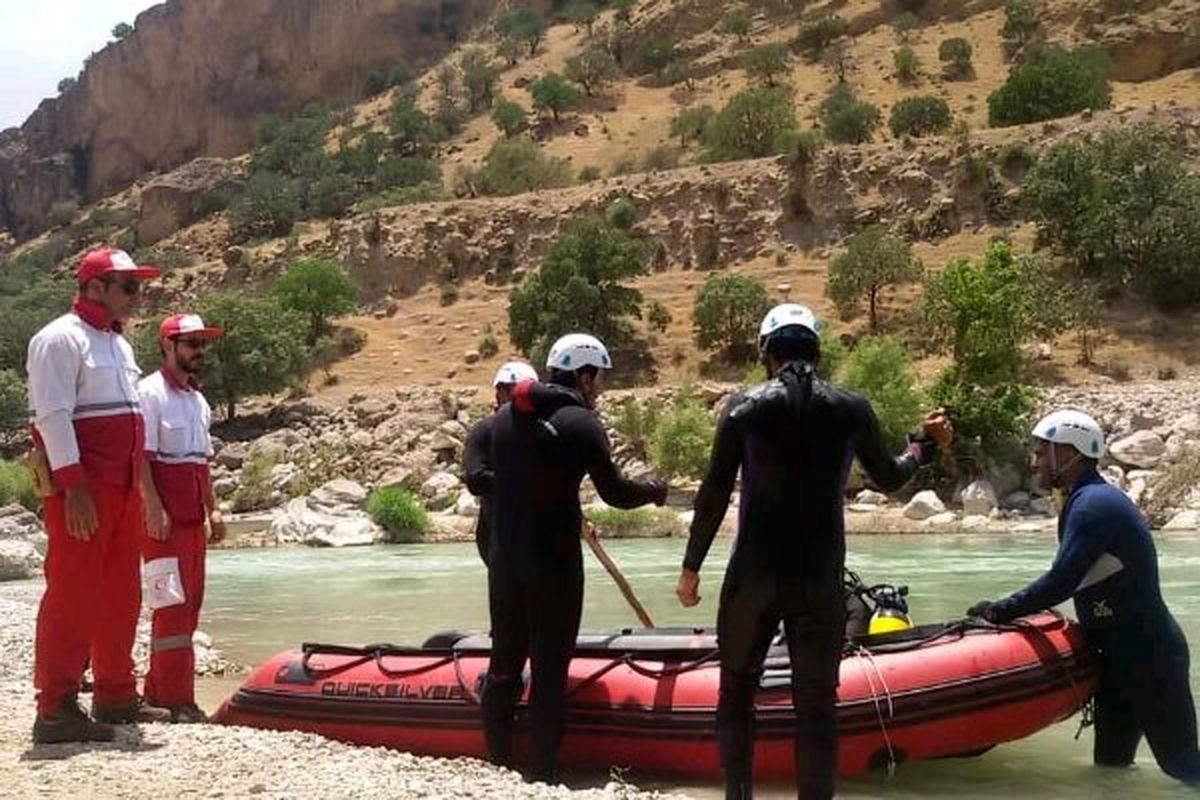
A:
(219, 762)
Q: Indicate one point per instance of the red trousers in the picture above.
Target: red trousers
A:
(92, 599)
(171, 681)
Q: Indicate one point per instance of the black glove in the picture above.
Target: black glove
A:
(981, 609)
(926, 448)
(658, 489)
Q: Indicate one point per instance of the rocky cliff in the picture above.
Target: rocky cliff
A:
(193, 79)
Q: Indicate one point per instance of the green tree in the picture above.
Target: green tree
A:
(818, 29)
(262, 349)
(319, 290)
(514, 166)
(727, 312)
(66, 85)
(294, 148)
(1125, 209)
(479, 77)
(1020, 22)
(658, 316)
(526, 25)
(509, 49)
(656, 55)
(332, 195)
(736, 24)
(122, 31)
(552, 92)
(754, 123)
(908, 65)
(582, 285)
(956, 54)
(410, 128)
(14, 404)
(767, 63)
(269, 207)
(1052, 83)
(682, 439)
(881, 370)
(846, 119)
(691, 123)
(583, 14)
(593, 69)
(510, 118)
(919, 116)
(874, 261)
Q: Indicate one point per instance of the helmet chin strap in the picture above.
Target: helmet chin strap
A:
(1055, 471)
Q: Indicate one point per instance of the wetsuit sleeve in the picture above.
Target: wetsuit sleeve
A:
(53, 365)
(614, 488)
(481, 479)
(712, 500)
(888, 472)
(1086, 536)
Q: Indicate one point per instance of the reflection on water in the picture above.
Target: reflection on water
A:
(259, 602)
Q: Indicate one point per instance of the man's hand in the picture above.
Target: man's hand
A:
(661, 488)
(82, 519)
(688, 588)
(587, 531)
(982, 609)
(937, 427)
(158, 524)
(216, 527)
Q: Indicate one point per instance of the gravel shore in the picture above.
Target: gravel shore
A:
(218, 762)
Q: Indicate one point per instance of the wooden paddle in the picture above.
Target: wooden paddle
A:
(589, 536)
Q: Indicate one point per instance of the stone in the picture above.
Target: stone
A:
(1016, 501)
(1140, 449)
(975, 522)
(441, 489)
(299, 522)
(174, 201)
(19, 560)
(941, 520)
(224, 488)
(339, 492)
(362, 440)
(467, 505)
(869, 497)
(1114, 475)
(274, 447)
(233, 455)
(978, 498)
(924, 505)
(1184, 520)
(1040, 505)
(282, 476)
(471, 357)
(357, 531)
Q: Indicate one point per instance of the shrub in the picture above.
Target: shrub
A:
(1125, 209)
(658, 317)
(479, 77)
(63, 213)
(624, 523)
(510, 118)
(956, 55)
(583, 14)
(318, 289)
(656, 55)
(881, 370)
(488, 346)
(525, 25)
(735, 24)
(1020, 22)
(680, 71)
(593, 69)
(904, 24)
(691, 123)
(384, 78)
(254, 491)
(636, 422)
(292, 148)
(14, 403)
(1016, 159)
(332, 195)
(514, 166)
(818, 29)
(16, 486)
(919, 116)
(580, 286)
(66, 85)
(552, 92)
(397, 172)
(421, 193)
(400, 514)
(753, 124)
(621, 213)
(1172, 488)
(122, 31)
(269, 207)
(411, 129)
(590, 173)
(845, 119)
(908, 66)
(873, 261)
(682, 439)
(661, 157)
(767, 63)
(727, 312)
(1052, 83)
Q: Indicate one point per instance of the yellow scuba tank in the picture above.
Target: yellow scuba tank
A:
(891, 610)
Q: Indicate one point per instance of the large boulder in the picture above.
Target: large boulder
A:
(1184, 520)
(19, 524)
(979, 498)
(176, 200)
(299, 522)
(924, 505)
(1140, 449)
(441, 490)
(339, 493)
(19, 560)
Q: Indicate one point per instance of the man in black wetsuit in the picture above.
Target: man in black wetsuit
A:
(793, 437)
(1106, 560)
(477, 454)
(543, 443)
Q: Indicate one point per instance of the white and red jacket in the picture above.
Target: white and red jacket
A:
(84, 398)
(177, 443)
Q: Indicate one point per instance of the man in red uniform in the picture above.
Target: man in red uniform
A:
(179, 496)
(87, 421)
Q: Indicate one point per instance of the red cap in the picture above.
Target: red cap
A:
(109, 260)
(187, 324)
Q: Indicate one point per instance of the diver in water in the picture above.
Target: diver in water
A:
(1106, 560)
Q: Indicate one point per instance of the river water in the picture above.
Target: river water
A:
(262, 601)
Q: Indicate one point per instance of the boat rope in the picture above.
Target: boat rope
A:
(408, 673)
(864, 653)
(468, 690)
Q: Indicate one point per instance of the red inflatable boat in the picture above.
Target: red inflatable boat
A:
(647, 699)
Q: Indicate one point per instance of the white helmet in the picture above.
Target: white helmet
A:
(577, 350)
(785, 316)
(514, 372)
(1074, 428)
